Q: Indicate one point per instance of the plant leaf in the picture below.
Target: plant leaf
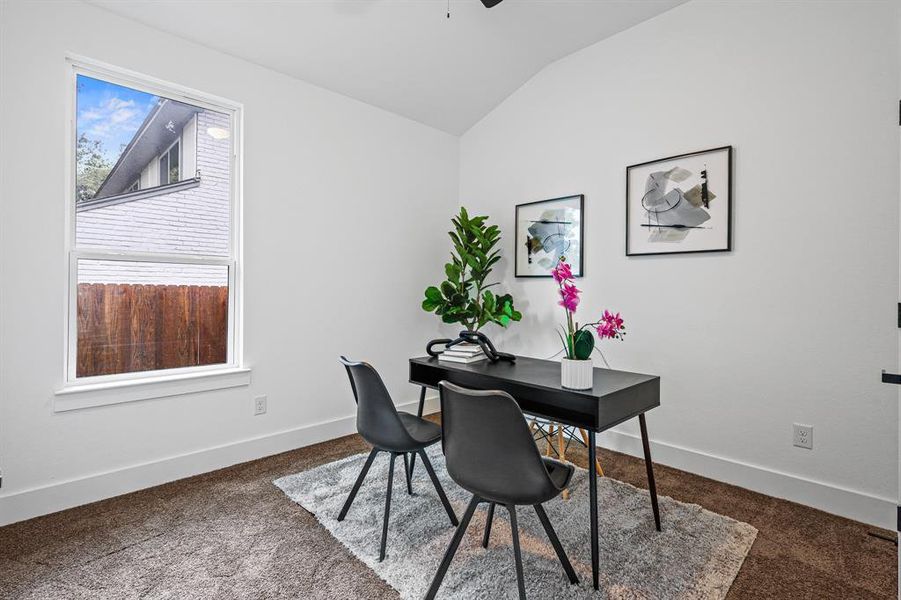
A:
(448, 289)
(452, 271)
(562, 341)
(583, 344)
(488, 302)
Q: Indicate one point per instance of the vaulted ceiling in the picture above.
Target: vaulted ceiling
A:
(405, 56)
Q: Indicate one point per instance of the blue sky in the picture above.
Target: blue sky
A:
(110, 113)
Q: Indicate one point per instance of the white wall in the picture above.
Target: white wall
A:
(795, 324)
(346, 208)
(343, 204)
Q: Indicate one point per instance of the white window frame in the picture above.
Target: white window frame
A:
(234, 364)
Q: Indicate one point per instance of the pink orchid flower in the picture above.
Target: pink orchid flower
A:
(562, 272)
(570, 297)
(615, 320)
(610, 325)
(605, 330)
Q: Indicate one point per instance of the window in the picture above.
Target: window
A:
(153, 283)
(169, 165)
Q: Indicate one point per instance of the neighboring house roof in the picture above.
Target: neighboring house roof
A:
(161, 127)
(151, 192)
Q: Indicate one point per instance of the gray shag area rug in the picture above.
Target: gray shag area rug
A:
(697, 555)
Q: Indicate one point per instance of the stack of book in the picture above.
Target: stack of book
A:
(463, 353)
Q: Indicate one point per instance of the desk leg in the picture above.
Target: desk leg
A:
(421, 402)
(647, 461)
(593, 504)
(596, 461)
(418, 414)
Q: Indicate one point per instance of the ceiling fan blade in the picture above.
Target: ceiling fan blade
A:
(490, 3)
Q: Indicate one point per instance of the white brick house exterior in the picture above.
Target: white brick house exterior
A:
(190, 216)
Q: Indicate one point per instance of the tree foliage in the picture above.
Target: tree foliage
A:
(91, 167)
(464, 296)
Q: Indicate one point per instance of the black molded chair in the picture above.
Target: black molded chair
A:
(490, 452)
(388, 430)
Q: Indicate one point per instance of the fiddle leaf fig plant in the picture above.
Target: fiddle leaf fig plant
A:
(464, 296)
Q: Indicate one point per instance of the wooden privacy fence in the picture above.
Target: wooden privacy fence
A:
(123, 328)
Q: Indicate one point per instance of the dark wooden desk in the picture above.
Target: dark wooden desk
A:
(617, 396)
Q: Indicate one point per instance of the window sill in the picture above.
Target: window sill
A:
(76, 397)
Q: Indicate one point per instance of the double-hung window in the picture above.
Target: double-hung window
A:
(154, 239)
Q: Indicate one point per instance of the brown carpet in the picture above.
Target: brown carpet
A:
(232, 534)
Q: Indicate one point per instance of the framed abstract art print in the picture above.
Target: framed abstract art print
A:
(680, 204)
(547, 230)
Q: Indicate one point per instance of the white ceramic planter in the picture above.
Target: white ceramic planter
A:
(577, 374)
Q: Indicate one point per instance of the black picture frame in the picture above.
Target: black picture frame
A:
(729, 186)
(517, 243)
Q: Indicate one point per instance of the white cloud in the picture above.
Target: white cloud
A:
(123, 115)
(111, 120)
(116, 103)
(90, 115)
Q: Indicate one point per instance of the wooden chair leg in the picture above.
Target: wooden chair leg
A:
(549, 439)
(560, 439)
(597, 463)
(561, 451)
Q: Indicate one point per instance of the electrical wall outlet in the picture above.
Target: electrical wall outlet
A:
(259, 405)
(803, 436)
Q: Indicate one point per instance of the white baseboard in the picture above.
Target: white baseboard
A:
(30, 503)
(34, 502)
(873, 510)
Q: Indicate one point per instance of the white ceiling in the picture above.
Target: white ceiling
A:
(401, 55)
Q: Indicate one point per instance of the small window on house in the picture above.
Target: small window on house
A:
(152, 275)
(169, 165)
(173, 163)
